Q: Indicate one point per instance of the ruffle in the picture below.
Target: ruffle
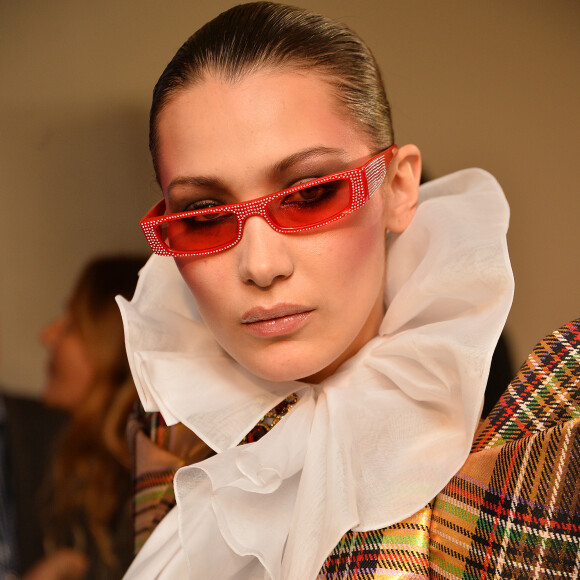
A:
(367, 447)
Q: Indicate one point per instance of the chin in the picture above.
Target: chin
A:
(274, 375)
(289, 369)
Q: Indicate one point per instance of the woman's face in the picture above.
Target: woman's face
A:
(70, 371)
(284, 306)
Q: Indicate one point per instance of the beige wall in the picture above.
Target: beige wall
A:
(493, 84)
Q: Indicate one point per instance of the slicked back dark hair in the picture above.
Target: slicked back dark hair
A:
(264, 35)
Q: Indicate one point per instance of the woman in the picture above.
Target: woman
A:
(366, 358)
(86, 514)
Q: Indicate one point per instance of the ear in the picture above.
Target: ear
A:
(402, 188)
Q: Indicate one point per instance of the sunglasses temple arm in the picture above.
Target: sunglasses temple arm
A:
(375, 173)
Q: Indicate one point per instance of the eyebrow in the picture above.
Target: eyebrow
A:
(199, 181)
(305, 155)
(215, 183)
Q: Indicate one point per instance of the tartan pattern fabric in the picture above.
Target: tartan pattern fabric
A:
(153, 487)
(158, 452)
(153, 498)
(543, 394)
(511, 512)
(399, 551)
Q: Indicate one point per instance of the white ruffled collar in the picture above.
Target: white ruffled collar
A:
(366, 448)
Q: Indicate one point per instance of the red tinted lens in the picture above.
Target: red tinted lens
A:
(199, 233)
(312, 205)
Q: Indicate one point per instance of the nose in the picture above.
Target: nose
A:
(264, 254)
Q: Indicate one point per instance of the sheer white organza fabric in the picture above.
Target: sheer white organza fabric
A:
(366, 448)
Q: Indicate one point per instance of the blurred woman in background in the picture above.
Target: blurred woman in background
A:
(86, 508)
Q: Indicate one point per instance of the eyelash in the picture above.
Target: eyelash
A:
(208, 203)
(201, 204)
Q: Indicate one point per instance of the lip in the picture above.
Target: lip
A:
(279, 320)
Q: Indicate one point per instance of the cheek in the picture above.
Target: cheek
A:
(210, 282)
(355, 278)
(71, 378)
(358, 252)
(83, 368)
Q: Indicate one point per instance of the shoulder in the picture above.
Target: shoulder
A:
(515, 503)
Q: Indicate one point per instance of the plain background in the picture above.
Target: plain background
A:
(492, 83)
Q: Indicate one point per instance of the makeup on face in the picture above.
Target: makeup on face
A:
(283, 306)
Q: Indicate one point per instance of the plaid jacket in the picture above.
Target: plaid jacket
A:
(512, 511)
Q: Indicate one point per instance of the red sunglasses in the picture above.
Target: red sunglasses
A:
(297, 209)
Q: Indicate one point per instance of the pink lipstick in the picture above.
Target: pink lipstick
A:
(280, 320)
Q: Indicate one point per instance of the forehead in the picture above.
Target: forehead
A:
(260, 118)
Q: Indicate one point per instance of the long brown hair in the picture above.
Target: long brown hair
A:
(259, 35)
(90, 477)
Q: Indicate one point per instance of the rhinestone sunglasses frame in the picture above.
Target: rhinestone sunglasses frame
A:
(364, 182)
